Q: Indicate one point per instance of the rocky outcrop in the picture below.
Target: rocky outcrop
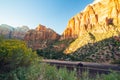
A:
(99, 20)
(11, 32)
(41, 37)
(100, 12)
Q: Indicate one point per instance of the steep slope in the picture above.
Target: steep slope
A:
(11, 32)
(98, 21)
(41, 37)
(105, 51)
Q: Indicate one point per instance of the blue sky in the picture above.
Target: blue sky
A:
(54, 14)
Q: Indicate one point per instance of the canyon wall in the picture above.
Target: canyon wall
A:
(99, 20)
(102, 12)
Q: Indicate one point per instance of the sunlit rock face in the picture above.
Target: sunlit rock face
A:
(99, 12)
(41, 37)
(96, 18)
(13, 33)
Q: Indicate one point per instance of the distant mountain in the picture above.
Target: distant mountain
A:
(12, 32)
(41, 37)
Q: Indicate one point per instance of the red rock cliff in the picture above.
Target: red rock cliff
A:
(100, 12)
(41, 37)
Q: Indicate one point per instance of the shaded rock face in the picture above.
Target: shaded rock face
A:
(11, 32)
(100, 12)
(41, 37)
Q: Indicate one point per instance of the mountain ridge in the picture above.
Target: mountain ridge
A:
(100, 18)
(99, 13)
(13, 32)
(41, 37)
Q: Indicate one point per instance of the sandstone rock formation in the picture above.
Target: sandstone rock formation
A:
(41, 37)
(100, 12)
(11, 32)
(101, 19)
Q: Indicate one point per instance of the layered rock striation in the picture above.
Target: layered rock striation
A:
(98, 21)
(100, 12)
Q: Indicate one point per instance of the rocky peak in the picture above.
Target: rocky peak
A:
(40, 28)
(23, 28)
(100, 12)
(41, 37)
(101, 18)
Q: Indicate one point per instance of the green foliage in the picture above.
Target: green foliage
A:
(101, 51)
(116, 62)
(50, 73)
(85, 76)
(112, 76)
(22, 73)
(47, 72)
(14, 54)
(91, 36)
(117, 43)
(1, 38)
(66, 41)
(17, 62)
(50, 54)
(41, 72)
(64, 74)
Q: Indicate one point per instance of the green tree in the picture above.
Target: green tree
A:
(14, 54)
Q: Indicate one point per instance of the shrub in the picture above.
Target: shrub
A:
(50, 73)
(17, 62)
(64, 74)
(112, 76)
(14, 54)
(22, 73)
(91, 36)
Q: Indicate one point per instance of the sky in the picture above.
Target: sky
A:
(54, 14)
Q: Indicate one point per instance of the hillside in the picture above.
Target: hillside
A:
(100, 20)
(105, 51)
(41, 37)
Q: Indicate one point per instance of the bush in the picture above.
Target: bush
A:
(112, 76)
(17, 62)
(50, 73)
(64, 74)
(14, 54)
(22, 73)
